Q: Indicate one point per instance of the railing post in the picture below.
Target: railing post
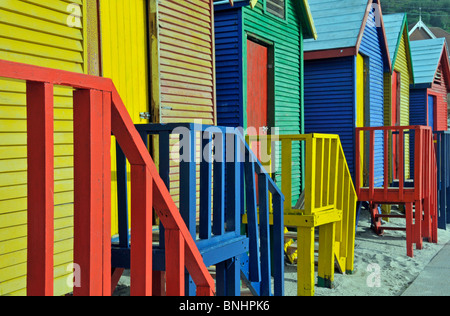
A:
(90, 208)
(141, 265)
(205, 186)
(40, 189)
(175, 272)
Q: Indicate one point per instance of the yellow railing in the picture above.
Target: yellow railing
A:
(328, 202)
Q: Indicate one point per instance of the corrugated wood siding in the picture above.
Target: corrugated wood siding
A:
(125, 61)
(228, 34)
(329, 101)
(287, 39)
(417, 107)
(371, 49)
(402, 66)
(186, 75)
(440, 90)
(186, 58)
(35, 32)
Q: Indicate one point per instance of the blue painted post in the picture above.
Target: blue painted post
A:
(266, 271)
(188, 191)
(122, 198)
(233, 184)
(164, 171)
(447, 176)
(233, 204)
(278, 241)
(219, 184)
(205, 186)
(252, 216)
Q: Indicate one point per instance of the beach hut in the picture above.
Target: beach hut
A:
(344, 73)
(259, 58)
(162, 64)
(429, 93)
(396, 112)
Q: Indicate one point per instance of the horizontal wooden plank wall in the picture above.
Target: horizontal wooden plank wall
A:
(183, 70)
(40, 33)
(186, 61)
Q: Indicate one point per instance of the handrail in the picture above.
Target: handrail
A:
(98, 113)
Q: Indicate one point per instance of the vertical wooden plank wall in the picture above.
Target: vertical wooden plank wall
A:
(124, 39)
(40, 33)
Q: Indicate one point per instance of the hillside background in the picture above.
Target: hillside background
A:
(434, 12)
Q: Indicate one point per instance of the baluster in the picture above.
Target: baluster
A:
(219, 185)
(252, 216)
(40, 189)
(205, 186)
(122, 197)
(141, 230)
(278, 244)
(266, 278)
(88, 194)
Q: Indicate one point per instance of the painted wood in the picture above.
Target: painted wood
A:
(40, 215)
(233, 28)
(90, 194)
(37, 34)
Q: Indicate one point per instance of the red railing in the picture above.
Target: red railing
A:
(420, 189)
(98, 113)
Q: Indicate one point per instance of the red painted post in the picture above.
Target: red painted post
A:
(106, 193)
(358, 163)
(372, 165)
(141, 231)
(426, 224)
(409, 229)
(386, 164)
(175, 272)
(88, 193)
(401, 165)
(40, 189)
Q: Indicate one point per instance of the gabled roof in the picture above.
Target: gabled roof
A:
(427, 55)
(340, 26)
(306, 17)
(396, 27)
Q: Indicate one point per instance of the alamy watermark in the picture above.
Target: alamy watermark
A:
(74, 18)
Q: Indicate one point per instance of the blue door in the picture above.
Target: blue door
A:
(431, 111)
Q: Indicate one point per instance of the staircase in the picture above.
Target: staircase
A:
(216, 163)
(98, 113)
(418, 194)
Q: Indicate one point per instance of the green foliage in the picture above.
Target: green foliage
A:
(434, 12)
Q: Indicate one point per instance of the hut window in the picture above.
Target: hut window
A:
(438, 78)
(277, 8)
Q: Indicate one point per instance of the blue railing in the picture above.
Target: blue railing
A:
(442, 140)
(225, 175)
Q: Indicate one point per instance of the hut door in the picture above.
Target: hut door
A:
(395, 118)
(257, 91)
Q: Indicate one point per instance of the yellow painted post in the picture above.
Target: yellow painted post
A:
(326, 255)
(286, 172)
(305, 261)
(310, 180)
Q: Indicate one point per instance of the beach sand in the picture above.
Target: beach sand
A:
(381, 265)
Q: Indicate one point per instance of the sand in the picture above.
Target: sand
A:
(381, 265)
